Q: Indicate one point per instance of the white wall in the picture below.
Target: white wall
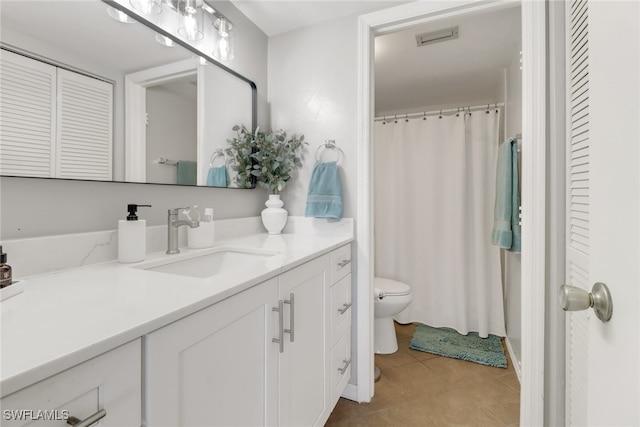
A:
(512, 277)
(313, 91)
(34, 207)
(171, 130)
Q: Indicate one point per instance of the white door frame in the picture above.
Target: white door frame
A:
(135, 98)
(533, 185)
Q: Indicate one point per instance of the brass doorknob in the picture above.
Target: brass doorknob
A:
(575, 299)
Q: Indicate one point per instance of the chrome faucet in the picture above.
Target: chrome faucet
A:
(173, 223)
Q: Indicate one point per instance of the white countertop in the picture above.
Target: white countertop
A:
(66, 317)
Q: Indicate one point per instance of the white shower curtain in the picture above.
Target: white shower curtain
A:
(434, 195)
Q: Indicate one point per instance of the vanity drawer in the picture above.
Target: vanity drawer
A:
(340, 308)
(340, 263)
(110, 382)
(340, 366)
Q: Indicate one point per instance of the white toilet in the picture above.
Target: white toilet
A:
(390, 298)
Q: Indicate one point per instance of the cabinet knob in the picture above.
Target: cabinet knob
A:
(280, 340)
(344, 368)
(76, 422)
(344, 263)
(344, 308)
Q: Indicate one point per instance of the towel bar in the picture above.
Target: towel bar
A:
(330, 144)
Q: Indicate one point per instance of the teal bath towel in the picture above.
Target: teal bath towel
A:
(506, 225)
(186, 172)
(218, 177)
(324, 199)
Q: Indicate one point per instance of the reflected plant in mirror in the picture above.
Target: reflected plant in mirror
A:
(240, 150)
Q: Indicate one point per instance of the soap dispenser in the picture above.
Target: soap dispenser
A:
(5, 270)
(132, 236)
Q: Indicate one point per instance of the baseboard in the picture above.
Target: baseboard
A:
(350, 392)
(514, 360)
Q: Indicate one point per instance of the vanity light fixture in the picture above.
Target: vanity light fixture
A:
(191, 20)
(120, 16)
(223, 49)
(148, 7)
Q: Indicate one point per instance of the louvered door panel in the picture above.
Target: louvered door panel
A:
(27, 116)
(85, 131)
(577, 209)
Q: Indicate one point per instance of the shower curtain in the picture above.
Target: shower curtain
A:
(434, 189)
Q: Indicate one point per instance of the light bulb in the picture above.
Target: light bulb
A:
(148, 7)
(191, 27)
(224, 45)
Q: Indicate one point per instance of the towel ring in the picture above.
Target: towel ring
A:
(330, 144)
(218, 153)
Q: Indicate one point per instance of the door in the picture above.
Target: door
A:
(303, 367)
(218, 366)
(603, 241)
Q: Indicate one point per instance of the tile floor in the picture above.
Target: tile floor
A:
(423, 389)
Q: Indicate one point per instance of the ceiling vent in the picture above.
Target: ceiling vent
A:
(437, 36)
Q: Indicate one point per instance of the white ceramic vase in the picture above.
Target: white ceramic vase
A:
(274, 217)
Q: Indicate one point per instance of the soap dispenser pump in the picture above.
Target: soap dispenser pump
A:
(132, 236)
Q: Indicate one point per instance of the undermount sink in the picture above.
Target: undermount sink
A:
(211, 263)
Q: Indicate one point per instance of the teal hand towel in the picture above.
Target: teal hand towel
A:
(217, 177)
(324, 199)
(186, 172)
(506, 225)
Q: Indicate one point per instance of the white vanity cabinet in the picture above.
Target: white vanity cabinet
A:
(264, 356)
(340, 320)
(218, 366)
(105, 388)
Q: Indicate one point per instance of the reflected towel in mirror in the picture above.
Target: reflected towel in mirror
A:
(186, 171)
(218, 177)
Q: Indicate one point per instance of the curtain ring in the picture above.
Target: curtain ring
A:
(406, 117)
(497, 110)
(395, 120)
(425, 115)
(458, 112)
(440, 114)
(488, 106)
(468, 110)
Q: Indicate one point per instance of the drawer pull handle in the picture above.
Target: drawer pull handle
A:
(291, 303)
(280, 339)
(344, 263)
(344, 308)
(344, 368)
(76, 422)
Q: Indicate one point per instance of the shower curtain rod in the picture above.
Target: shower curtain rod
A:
(438, 112)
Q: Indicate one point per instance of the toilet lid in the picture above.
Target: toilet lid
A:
(391, 287)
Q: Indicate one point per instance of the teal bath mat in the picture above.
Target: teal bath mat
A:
(447, 342)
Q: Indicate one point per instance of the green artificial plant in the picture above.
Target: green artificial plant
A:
(270, 157)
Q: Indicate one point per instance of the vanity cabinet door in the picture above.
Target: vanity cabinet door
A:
(304, 362)
(218, 366)
(107, 388)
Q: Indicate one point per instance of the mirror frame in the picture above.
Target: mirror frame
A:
(254, 95)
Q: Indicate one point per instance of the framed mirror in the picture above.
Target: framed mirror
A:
(88, 97)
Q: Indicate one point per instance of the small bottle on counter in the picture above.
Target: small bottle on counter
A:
(132, 236)
(203, 236)
(5, 270)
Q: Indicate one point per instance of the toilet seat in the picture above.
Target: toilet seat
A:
(391, 287)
